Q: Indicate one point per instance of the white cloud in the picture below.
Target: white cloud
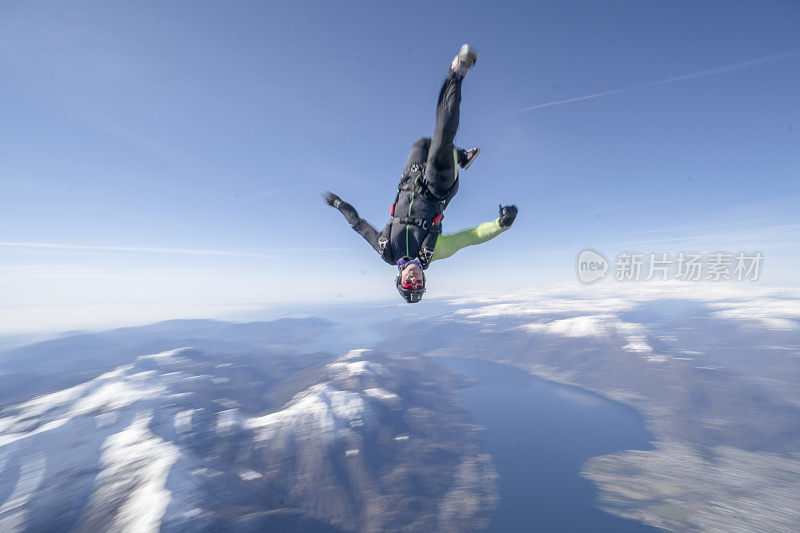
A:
(603, 326)
(637, 344)
(780, 324)
(581, 326)
(774, 308)
(735, 299)
(548, 306)
(225, 252)
(777, 314)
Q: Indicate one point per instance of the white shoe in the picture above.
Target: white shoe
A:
(464, 60)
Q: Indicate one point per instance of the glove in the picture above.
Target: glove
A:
(349, 212)
(507, 215)
(331, 199)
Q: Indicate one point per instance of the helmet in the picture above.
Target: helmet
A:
(409, 295)
(412, 296)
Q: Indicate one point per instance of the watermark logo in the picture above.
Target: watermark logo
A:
(592, 266)
(685, 266)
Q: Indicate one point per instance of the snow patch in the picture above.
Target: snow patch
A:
(8, 438)
(170, 357)
(249, 475)
(105, 420)
(228, 403)
(227, 420)
(322, 411)
(135, 464)
(356, 368)
(13, 511)
(381, 394)
(107, 392)
(183, 420)
(117, 394)
(354, 354)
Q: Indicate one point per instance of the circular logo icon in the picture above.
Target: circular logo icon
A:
(592, 266)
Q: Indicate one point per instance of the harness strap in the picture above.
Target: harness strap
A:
(412, 182)
(422, 187)
(421, 222)
(385, 250)
(426, 248)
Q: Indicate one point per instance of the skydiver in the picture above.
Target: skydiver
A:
(412, 237)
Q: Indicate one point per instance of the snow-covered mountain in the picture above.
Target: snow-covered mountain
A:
(185, 440)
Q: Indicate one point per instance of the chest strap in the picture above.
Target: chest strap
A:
(421, 222)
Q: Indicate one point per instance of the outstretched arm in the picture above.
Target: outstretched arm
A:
(447, 245)
(350, 214)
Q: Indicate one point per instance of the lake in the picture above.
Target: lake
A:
(539, 434)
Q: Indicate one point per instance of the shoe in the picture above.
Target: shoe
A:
(464, 60)
(466, 157)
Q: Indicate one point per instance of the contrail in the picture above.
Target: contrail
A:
(702, 74)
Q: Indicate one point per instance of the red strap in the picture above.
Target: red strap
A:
(437, 218)
(391, 211)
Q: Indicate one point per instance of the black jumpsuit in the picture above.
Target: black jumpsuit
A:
(440, 161)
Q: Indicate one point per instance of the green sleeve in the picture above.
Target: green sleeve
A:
(447, 245)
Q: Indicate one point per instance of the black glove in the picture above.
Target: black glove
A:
(331, 199)
(349, 212)
(507, 215)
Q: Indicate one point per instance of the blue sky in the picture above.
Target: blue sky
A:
(165, 159)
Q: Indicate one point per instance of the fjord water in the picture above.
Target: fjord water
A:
(539, 434)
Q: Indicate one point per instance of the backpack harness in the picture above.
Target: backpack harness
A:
(417, 186)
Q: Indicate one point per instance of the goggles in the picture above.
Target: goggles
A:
(416, 284)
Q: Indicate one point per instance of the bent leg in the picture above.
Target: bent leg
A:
(418, 155)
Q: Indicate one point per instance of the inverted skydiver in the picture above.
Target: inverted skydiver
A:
(412, 238)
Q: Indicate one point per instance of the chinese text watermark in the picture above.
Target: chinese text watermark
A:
(684, 266)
